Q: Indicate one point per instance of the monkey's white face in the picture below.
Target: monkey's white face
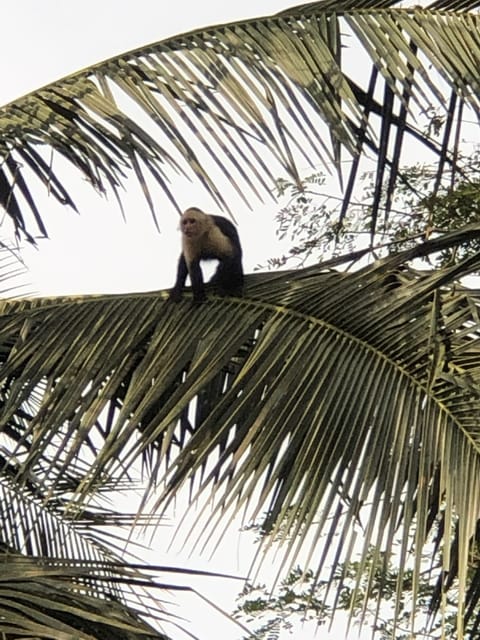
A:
(194, 223)
(190, 225)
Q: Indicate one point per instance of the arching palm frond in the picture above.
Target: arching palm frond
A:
(317, 394)
(13, 272)
(246, 102)
(61, 600)
(64, 572)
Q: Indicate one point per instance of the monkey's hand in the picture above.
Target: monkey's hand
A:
(175, 295)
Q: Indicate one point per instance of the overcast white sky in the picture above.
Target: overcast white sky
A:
(44, 40)
(97, 252)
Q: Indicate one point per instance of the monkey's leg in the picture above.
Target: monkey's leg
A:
(196, 277)
(228, 277)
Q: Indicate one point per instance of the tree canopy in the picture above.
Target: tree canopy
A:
(340, 401)
(245, 102)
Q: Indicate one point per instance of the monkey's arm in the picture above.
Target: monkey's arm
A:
(196, 278)
(182, 272)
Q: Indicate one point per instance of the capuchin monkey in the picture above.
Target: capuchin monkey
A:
(208, 237)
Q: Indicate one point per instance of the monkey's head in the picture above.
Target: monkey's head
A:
(194, 222)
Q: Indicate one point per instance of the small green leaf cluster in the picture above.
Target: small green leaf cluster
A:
(313, 222)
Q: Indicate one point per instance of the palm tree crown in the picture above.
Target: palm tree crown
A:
(326, 401)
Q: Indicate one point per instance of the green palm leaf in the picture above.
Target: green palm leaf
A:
(242, 103)
(319, 392)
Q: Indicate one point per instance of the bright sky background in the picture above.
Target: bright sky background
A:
(43, 40)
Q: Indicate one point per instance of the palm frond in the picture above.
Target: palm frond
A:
(62, 577)
(35, 528)
(61, 600)
(454, 5)
(318, 393)
(243, 103)
(13, 271)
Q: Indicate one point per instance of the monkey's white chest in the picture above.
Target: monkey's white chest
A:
(209, 245)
